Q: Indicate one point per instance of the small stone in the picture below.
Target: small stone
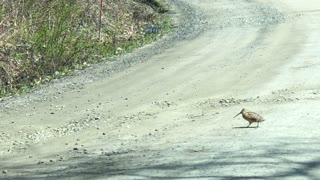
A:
(75, 149)
(4, 171)
(103, 133)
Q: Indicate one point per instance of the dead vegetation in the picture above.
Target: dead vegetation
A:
(44, 40)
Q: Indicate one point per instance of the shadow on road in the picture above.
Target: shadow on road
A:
(290, 158)
(245, 127)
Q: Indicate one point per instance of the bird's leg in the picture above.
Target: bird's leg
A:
(258, 125)
(249, 124)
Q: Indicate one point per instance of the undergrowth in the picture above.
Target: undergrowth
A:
(48, 39)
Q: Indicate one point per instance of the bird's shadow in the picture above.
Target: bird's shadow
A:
(244, 127)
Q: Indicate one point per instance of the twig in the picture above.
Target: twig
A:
(100, 20)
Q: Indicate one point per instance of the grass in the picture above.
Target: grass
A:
(49, 39)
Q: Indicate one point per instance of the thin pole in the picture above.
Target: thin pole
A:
(100, 20)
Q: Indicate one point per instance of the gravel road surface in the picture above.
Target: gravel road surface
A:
(166, 110)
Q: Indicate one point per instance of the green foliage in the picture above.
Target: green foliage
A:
(56, 41)
(49, 39)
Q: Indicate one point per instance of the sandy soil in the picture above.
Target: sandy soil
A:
(168, 114)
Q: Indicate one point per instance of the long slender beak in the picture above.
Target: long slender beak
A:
(237, 115)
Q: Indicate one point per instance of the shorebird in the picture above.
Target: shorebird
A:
(251, 117)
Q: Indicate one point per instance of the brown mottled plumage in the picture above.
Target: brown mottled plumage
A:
(251, 117)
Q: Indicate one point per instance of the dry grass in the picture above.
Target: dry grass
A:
(43, 40)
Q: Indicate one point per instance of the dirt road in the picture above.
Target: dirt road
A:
(170, 116)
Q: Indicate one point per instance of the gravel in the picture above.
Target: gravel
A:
(188, 23)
